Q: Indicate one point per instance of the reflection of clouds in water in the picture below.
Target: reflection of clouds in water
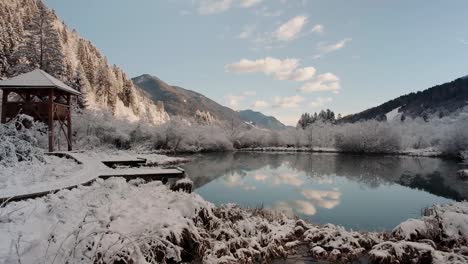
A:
(326, 199)
(300, 206)
(324, 180)
(250, 188)
(289, 179)
(305, 207)
(235, 180)
(260, 177)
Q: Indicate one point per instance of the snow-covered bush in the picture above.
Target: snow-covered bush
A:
(455, 142)
(368, 137)
(442, 135)
(440, 236)
(18, 140)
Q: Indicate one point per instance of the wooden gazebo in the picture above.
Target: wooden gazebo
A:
(41, 96)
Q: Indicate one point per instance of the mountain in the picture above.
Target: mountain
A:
(70, 58)
(440, 100)
(185, 103)
(260, 120)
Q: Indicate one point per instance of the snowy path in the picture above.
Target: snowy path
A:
(91, 168)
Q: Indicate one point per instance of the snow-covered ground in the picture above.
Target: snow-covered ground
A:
(147, 223)
(393, 114)
(35, 173)
(55, 173)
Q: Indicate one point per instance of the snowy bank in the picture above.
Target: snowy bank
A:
(26, 178)
(140, 222)
(427, 152)
(148, 223)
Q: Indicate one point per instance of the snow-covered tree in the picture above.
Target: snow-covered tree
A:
(41, 46)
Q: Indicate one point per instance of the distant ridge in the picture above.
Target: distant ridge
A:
(260, 120)
(440, 100)
(185, 103)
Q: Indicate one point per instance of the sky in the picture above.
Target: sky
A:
(282, 57)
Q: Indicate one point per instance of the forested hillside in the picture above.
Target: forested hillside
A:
(186, 103)
(32, 36)
(260, 120)
(438, 101)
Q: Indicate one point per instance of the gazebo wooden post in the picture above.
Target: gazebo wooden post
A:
(69, 124)
(39, 84)
(51, 120)
(4, 105)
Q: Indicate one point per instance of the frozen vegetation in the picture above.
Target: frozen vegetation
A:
(438, 136)
(114, 221)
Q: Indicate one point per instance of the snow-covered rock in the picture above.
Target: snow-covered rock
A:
(463, 174)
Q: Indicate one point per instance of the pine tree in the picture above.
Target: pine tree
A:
(80, 83)
(41, 47)
(105, 86)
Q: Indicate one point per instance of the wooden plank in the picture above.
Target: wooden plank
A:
(131, 163)
(69, 124)
(51, 120)
(4, 105)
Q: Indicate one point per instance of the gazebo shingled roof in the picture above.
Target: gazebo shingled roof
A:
(44, 98)
(37, 79)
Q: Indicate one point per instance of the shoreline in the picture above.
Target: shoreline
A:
(189, 228)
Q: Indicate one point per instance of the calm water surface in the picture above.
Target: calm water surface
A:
(359, 192)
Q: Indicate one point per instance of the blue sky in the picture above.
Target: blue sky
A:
(282, 57)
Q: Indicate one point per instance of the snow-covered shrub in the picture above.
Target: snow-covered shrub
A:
(368, 137)
(18, 140)
(455, 143)
(100, 128)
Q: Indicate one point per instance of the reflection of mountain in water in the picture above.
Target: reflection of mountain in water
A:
(436, 176)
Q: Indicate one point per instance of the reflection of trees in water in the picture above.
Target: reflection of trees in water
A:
(433, 183)
(369, 170)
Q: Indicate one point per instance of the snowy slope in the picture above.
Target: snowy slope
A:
(104, 86)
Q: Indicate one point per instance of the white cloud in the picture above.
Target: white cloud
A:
(324, 48)
(266, 12)
(324, 82)
(303, 74)
(259, 104)
(207, 7)
(287, 69)
(320, 102)
(249, 3)
(288, 102)
(318, 28)
(247, 32)
(234, 101)
(289, 30)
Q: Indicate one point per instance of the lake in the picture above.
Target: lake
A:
(362, 192)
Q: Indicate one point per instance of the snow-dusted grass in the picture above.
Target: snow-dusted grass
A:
(32, 177)
(440, 236)
(133, 221)
(140, 222)
(31, 173)
(19, 141)
(445, 136)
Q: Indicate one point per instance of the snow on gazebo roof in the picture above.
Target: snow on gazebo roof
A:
(37, 79)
